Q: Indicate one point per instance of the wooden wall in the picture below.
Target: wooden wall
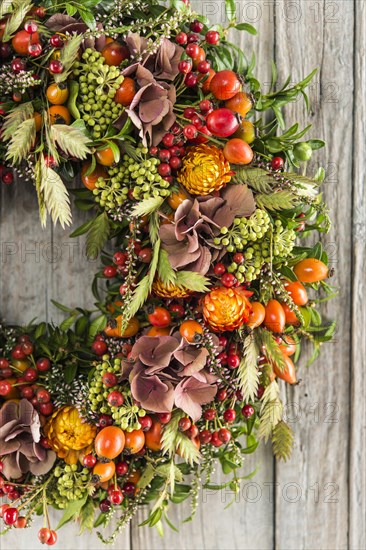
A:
(317, 500)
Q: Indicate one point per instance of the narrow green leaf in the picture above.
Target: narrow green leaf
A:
(72, 511)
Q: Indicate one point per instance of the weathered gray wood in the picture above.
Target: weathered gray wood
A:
(357, 446)
(312, 491)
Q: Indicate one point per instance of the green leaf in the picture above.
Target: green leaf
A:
(230, 10)
(40, 330)
(97, 236)
(97, 325)
(147, 206)
(248, 375)
(139, 297)
(88, 18)
(86, 517)
(246, 27)
(165, 271)
(272, 349)
(154, 263)
(316, 144)
(148, 475)
(68, 56)
(192, 281)
(72, 511)
(69, 322)
(84, 228)
(71, 140)
(21, 141)
(16, 19)
(70, 372)
(282, 441)
(55, 194)
(281, 200)
(61, 307)
(256, 178)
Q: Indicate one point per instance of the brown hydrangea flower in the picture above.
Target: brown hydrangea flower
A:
(19, 441)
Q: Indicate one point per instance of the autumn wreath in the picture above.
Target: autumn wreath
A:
(190, 173)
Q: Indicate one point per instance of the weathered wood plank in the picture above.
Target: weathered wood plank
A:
(312, 498)
(357, 446)
(23, 255)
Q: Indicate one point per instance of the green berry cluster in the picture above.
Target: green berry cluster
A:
(73, 482)
(140, 175)
(253, 259)
(244, 231)
(283, 241)
(98, 85)
(125, 416)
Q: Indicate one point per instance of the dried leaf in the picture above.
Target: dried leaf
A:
(71, 140)
(147, 206)
(282, 441)
(281, 200)
(68, 56)
(97, 236)
(55, 194)
(16, 19)
(21, 141)
(248, 376)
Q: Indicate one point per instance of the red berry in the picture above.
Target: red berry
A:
(203, 67)
(116, 497)
(41, 12)
(260, 391)
(17, 352)
(205, 436)
(277, 163)
(13, 495)
(56, 67)
(191, 80)
(175, 163)
(164, 169)
(229, 415)
(129, 489)
(222, 341)
(27, 348)
(228, 280)
(184, 66)
(30, 374)
(7, 178)
(215, 440)
(10, 516)
(153, 151)
(105, 420)
(4, 363)
(109, 271)
(43, 396)
(224, 435)
(5, 387)
(189, 112)
(219, 269)
(46, 409)
(18, 65)
(30, 26)
(209, 414)
(193, 50)
(233, 361)
(168, 140)
(184, 424)
(43, 364)
(89, 461)
(20, 523)
(238, 258)
(145, 255)
(164, 418)
(35, 50)
(45, 443)
(122, 468)
(239, 395)
(181, 38)
(175, 129)
(115, 399)
(193, 38)
(221, 395)
(222, 358)
(192, 432)
(205, 106)
(177, 310)
(196, 26)
(212, 37)
(52, 539)
(119, 258)
(109, 379)
(99, 347)
(222, 122)
(56, 41)
(248, 410)
(145, 423)
(3, 507)
(104, 506)
(190, 132)
(164, 155)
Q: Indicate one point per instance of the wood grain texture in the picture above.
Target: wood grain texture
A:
(312, 490)
(317, 500)
(357, 447)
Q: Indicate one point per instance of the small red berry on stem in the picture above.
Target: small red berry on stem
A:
(181, 38)
(212, 37)
(43, 364)
(196, 26)
(164, 418)
(229, 415)
(184, 424)
(99, 347)
(277, 163)
(56, 67)
(30, 26)
(248, 410)
(115, 399)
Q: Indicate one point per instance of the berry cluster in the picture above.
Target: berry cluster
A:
(72, 484)
(99, 83)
